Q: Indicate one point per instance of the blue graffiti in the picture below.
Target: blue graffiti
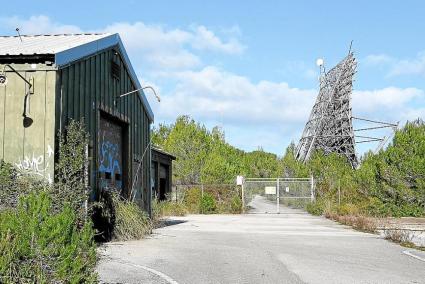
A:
(109, 161)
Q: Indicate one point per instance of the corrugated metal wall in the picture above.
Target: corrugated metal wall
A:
(89, 90)
(29, 149)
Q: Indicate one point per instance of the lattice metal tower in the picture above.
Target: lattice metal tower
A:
(330, 127)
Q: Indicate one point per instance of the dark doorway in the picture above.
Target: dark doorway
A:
(161, 168)
(162, 188)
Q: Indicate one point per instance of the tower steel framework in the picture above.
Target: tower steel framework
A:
(330, 126)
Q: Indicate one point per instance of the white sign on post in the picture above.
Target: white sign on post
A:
(239, 180)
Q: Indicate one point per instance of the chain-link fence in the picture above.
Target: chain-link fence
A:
(227, 197)
(221, 191)
(266, 195)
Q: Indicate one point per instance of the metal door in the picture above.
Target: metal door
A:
(110, 155)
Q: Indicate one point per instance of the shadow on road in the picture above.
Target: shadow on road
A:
(170, 222)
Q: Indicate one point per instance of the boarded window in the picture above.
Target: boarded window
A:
(115, 70)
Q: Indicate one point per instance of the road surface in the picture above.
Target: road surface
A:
(291, 247)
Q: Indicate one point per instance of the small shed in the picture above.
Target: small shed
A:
(162, 172)
(52, 79)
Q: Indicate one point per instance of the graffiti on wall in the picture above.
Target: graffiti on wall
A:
(109, 160)
(110, 154)
(35, 165)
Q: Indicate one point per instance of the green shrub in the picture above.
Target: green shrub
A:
(13, 185)
(375, 207)
(168, 208)
(348, 209)
(38, 245)
(315, 208)
(236, 205)
(208, 204)
(70, 179)
(192, 200)
(8, 174)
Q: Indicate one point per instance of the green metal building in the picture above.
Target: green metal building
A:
(162, 172)
(47, 80)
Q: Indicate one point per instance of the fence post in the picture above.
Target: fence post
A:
(202, 197)
(277, 197)
(339, 192)
(243, 197)
(312, 187)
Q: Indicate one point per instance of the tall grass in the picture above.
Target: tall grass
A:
(130, 221)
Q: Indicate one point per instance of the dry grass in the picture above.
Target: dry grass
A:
(402, 237)
(131, 223)
(358, 222)
(371, 225)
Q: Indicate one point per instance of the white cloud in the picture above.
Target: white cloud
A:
(212, 94)
(38, 25)
(397, 66)
(205, 39)
(384, 99)
(415, 66)
(377, 59)
(171, 49)
(148, 37)
(149, 45)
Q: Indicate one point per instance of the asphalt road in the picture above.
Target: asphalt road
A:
(291, 247)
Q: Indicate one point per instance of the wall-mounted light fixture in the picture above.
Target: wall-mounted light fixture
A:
(27, 121)
(139, 89)
(3, 79)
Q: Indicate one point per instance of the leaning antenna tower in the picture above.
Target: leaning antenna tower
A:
(330, 127)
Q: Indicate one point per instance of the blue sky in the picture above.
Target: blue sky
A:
(249, 66)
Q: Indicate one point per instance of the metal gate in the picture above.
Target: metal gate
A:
(266, 195)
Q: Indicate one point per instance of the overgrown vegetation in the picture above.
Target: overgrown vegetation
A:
(130, 222)
(45, 235)
(389, 183)
(204, 157)
(167, 208)
(39, 245)
(71, 184)
(46, 232)
(216, 199)
(208, 204)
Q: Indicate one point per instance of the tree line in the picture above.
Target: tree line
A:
(203, 156)
(388, 183)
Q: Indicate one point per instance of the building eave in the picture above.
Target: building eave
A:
(68, 56)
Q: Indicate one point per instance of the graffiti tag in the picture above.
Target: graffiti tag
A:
(109, 159)
(34, 165)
